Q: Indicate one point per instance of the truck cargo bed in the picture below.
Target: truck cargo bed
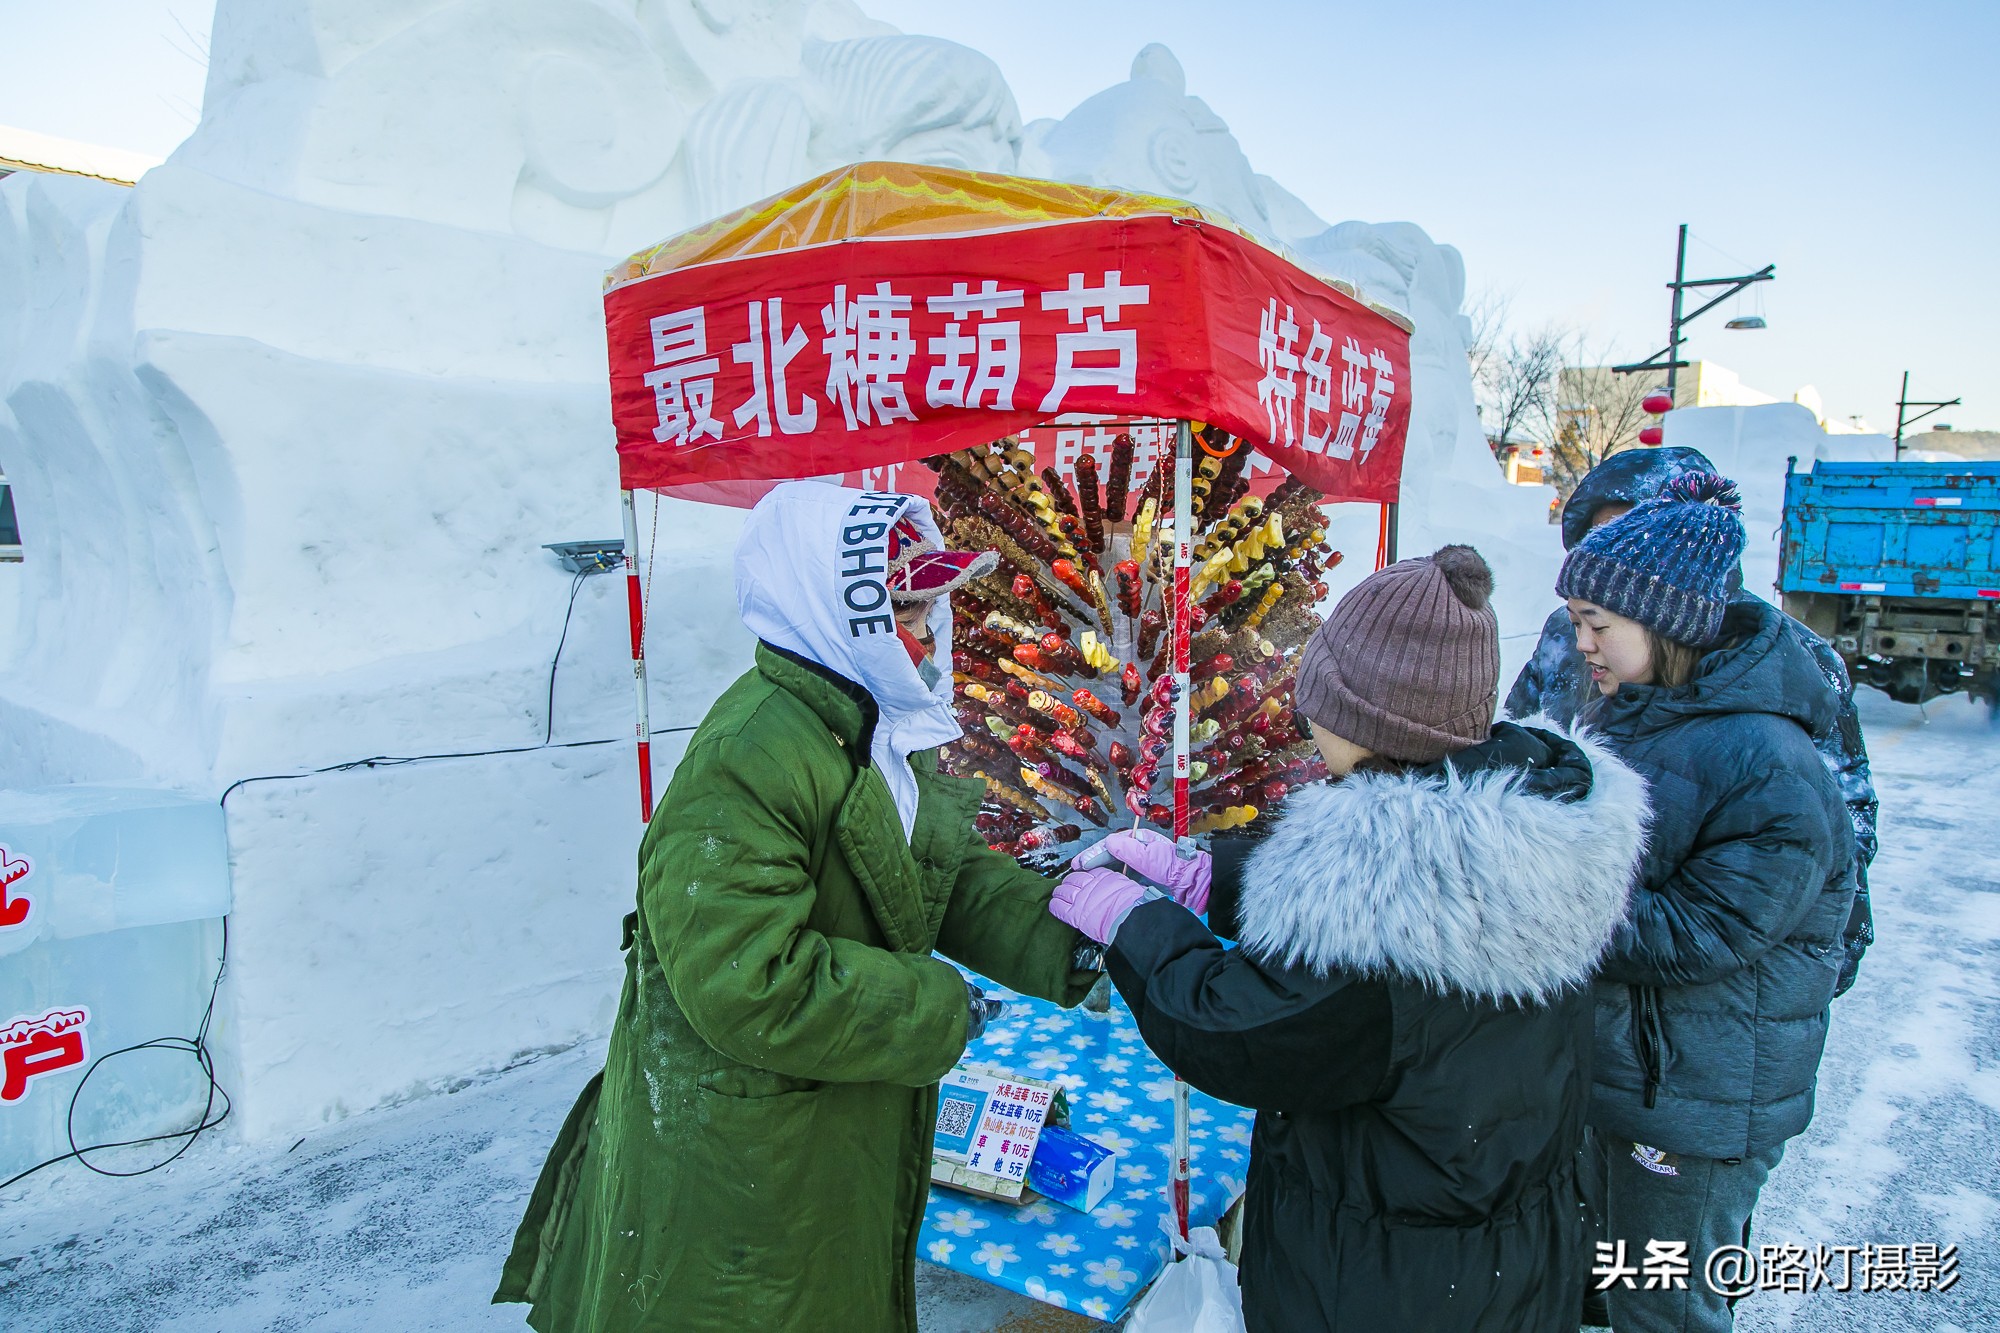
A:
(1893, 530)
(1897, 565)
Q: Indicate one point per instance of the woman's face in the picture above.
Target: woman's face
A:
(1341, 756)
(916, 617)
(1616, 649)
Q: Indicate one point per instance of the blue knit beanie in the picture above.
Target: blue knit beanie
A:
(1668, 563)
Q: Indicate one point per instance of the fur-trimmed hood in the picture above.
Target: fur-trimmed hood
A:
(1470, 881)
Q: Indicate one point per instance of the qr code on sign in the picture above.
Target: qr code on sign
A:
(955, 1118)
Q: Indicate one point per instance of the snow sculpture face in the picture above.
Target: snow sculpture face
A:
(1147, 134)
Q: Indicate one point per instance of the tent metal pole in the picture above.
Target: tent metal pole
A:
(636, 613)
(1183, 631)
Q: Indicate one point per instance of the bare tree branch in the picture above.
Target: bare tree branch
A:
(1486, 325)
(1513, 371)
(1521, 384)
(1595, 414)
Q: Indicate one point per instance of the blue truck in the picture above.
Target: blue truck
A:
(1897, 565)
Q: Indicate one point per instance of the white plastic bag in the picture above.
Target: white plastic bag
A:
(1197, 1294)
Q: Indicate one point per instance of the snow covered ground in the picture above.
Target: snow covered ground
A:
(397, 1220)
(1905, 1145)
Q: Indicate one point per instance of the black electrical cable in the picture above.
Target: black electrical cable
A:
(393, 760)
(197, 1045)
(549, 730)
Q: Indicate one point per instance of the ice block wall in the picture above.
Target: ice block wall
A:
(111, 908)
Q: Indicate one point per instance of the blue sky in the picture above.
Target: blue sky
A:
(1556, 144)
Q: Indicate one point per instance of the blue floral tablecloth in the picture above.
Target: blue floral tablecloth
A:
(1096, 1263)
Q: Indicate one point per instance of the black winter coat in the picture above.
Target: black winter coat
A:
(1712, 1004)
(1409, 1015)
(1552, 684)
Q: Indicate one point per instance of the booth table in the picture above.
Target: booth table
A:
(1098, 1262)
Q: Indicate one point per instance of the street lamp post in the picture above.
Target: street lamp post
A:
(1677, 321)
(1904, 402)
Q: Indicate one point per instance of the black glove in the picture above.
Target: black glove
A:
(981, 1012)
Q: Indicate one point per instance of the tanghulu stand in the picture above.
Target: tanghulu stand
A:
(1141, 407)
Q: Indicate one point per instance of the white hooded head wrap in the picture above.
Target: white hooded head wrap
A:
(811, 578)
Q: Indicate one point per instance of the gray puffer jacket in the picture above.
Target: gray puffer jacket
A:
(1712, 1003)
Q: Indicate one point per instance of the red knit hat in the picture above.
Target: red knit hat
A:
(1408, 664)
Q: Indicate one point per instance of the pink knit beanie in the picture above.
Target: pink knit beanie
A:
(1408, 664)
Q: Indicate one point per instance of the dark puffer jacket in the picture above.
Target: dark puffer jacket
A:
(1410, 1016)
(1552, 684)
(1712, 1002)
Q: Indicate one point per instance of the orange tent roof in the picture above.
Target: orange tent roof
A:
(896, 199)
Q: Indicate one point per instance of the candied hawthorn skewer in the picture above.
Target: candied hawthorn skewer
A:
(1120, 481)
(1064, 500)
(1090, 502)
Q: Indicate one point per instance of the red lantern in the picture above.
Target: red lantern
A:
(1658, 402)
(1652, 435)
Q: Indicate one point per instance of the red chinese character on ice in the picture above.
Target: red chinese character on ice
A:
(1378, 401)
(1278, 391)
(868, 348)
(768, 352)
(683, 384)
(996, 350)
(14, 906)
(32, 1047)
(1108, 299)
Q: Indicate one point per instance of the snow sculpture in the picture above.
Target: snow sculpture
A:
(1148, 134)
(289, 422)
(910, 99)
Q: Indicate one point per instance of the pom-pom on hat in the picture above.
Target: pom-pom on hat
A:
(1408, 664)
(1669, 564)
(920, 572)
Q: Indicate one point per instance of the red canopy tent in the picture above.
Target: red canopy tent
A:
(885, 313)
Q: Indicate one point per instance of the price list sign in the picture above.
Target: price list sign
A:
(987, 1125)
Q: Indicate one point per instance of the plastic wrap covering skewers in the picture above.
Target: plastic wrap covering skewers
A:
(1062, 660)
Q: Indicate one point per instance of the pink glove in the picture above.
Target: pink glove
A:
(1155, 856)
(1095, 901)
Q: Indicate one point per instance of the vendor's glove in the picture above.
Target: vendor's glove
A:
(1155, 856)
(1096, 901)
(983, 1012)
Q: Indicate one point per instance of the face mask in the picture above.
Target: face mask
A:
(922, 658)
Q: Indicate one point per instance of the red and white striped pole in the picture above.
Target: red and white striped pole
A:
(1183, 615)
(1182, 631)
(636, 612)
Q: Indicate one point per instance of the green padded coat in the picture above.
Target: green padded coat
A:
(755, 1156)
